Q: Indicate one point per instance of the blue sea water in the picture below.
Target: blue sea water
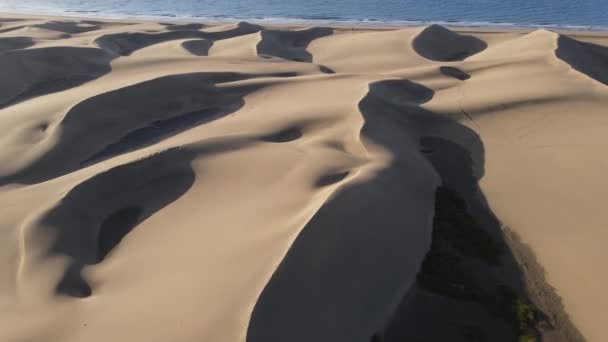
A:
(578, 14)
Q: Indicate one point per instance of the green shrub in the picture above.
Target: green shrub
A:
(456, 235)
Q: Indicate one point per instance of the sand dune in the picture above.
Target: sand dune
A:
(35, 72)
(190, 182)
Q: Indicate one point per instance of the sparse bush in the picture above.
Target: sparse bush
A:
(456, 236)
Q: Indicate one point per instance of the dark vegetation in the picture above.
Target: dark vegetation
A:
(454, 225)
(456, 236)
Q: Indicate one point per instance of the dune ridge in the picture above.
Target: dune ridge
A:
(258, 184)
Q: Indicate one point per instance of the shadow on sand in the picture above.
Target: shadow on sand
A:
(133, 117)
(93, 218)
(414, 254)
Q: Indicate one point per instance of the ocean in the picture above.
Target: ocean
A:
(574, 14)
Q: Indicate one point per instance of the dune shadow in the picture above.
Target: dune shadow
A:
(90, 222)
(331, 178)
(587, 58)
(326, 70)
(115, 227)
(198, 47)
(48, 70)
(414, 254)
(160, 130)
(10, 20)
(134, 117)
(70, 27)
(454, 73)
(240, 29)
(96, 215)
(11, 28)
(181, 27)
(291, 45)
(438, 43)
(342, 275)
(15, 43)
(285, 135)
(111, 231)
(124, 44)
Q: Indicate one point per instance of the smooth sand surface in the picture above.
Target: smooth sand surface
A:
(154, 176)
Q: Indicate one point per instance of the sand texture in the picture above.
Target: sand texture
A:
(238, 183)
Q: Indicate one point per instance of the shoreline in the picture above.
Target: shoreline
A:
(354, 25)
